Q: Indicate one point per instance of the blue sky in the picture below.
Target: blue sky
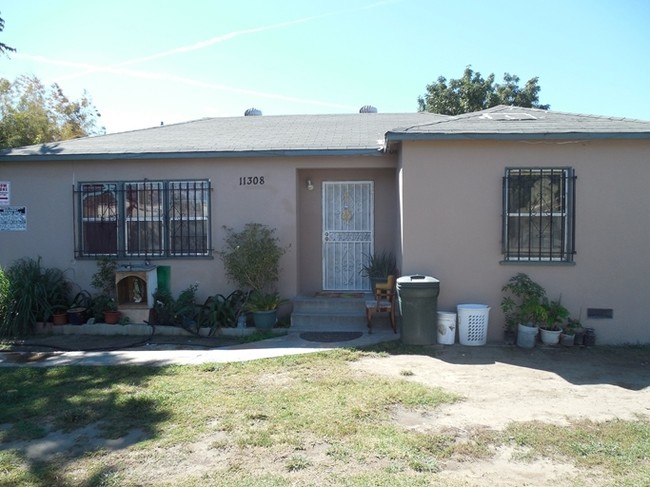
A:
(149, 61)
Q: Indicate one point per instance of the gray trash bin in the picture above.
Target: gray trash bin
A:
(418, 306)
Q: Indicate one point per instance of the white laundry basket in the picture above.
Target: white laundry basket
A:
(446, 328)
(473, 323)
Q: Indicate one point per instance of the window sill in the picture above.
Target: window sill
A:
(151, 259)
(536, 263)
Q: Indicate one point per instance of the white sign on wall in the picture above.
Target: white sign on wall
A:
(13, 218)
(5, 193)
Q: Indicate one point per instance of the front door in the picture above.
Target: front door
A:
(348, 228)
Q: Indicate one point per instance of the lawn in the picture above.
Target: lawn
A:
(301, 420)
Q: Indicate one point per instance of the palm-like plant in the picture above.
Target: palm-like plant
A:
(33, 294)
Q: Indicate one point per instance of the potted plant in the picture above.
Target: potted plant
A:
(553, 316)
(522, 305)
(78, 310)
(378, 267)
(60, 314)
(105, 309)
(264, 307)
(111, 314)
(571, 332)
(56, 289)
(252, 261)
(104, 304)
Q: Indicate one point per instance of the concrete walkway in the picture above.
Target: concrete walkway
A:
(290, 344)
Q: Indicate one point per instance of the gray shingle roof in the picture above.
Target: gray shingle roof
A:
(236, 136)
(346, 134)
(511, 123)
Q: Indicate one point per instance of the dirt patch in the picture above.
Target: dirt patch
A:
(74, 443)
(504, 470)
(501, 385)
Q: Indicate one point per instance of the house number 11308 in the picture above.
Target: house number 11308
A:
(251, 180)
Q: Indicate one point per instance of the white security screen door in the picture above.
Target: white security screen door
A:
(348, 222)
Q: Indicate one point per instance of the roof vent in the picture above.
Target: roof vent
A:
(367, 109)
(253, 112)
(508, 116)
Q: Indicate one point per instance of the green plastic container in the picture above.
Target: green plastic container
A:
(164, 275)
(418, 306)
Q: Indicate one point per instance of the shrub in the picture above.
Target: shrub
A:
(182, 311)
(252, 257)
(4, 294)
(33, 293)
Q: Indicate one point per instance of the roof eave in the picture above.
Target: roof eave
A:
(193, 155)
(505, 136)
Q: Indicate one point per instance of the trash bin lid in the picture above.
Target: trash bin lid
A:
(417, 280)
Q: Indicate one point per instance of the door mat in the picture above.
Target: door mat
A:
(330, 336)
(329, 294)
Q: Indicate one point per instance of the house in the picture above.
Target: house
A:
(470, 199)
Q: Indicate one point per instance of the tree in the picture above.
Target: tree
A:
(472, 93)
(31, 114)
(4, 47)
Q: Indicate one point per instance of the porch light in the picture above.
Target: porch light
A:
(310, 185)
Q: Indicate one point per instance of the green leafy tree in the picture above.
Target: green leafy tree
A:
(472, 93)
(31, 114)
(4, 47)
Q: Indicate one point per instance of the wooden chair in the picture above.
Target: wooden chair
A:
(384, 302)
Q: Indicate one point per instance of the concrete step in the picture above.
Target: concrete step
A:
(327, 322)
(306, 304)
(328, 313)
(333, 314)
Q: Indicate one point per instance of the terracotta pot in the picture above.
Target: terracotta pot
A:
(60, 318)
(112, 317)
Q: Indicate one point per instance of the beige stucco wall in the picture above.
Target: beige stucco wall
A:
(46, 190)
(451, 227)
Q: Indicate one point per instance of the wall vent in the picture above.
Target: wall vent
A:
(600, 313)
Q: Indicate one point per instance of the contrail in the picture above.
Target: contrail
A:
(218, 39)
(231, 35)
(198, 45)
(179, 79)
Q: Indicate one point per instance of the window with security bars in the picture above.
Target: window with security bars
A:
(143, 219)
(539, 215)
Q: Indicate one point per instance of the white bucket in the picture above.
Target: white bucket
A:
(526, 336)
(473, 323)
(446, 328)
